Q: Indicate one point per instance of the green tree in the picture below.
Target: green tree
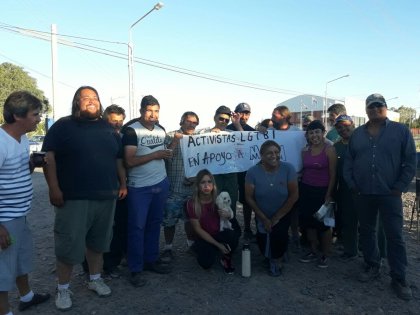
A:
(14, 78)
(407, 115)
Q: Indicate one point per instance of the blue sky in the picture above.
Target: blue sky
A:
(294, 47)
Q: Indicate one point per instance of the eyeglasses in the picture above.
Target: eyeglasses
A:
(375, 105)
(195, 123)
(226, 120)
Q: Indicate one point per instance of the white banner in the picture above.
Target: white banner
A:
(231, 152)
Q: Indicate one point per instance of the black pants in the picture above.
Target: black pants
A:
(118, 247)
(207, 253)
(278, 239)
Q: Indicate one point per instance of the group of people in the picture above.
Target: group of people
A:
(114, 185)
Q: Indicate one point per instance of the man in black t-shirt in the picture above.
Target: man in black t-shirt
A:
(84, 156)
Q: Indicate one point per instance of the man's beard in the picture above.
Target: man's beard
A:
(90, 116)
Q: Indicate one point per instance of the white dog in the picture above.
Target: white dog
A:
(223, 203)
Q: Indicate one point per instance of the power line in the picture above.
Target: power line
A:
(45, 36)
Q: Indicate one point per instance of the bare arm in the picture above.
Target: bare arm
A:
(293, 195)
(122, 178)
(50, 173)
(249, 196)
(132, 160)
(175, 141)
(332, 167)
(206, 236)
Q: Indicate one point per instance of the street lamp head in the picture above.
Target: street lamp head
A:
(158, 6)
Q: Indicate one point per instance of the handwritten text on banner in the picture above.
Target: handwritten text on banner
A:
(231, 152)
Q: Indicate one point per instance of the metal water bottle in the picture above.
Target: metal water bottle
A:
(246, 261)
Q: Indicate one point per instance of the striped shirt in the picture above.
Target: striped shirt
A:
(15, 178)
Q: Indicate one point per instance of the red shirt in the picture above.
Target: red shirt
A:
(209, 219)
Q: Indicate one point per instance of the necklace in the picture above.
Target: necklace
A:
(270, 176)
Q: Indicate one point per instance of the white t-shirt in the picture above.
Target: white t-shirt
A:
(15, 178)
(147, 141)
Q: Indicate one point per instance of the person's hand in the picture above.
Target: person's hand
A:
(122, 192)
(163, 154)
(274, 220)
(262, 129)
(328, 199)
(267, 225)
(178, 135)
(224, 248)
(56, 197)
(236, 118)
(224, 214)
(5, 240)
(217, 130)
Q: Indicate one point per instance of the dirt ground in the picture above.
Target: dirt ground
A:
(302, 289)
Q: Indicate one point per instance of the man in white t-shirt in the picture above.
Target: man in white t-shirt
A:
(22, 113)
(148, 187)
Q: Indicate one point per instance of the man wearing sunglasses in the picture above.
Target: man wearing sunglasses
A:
(379, 166)
(244, 112)
(227, 182)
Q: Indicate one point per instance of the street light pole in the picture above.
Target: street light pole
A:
(131, 107)
(392, 98)
(325, 102)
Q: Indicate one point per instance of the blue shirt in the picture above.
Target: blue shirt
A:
(377, 165)
(270, 189)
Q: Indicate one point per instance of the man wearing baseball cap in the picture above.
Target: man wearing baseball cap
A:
(379, 166)
(244, 112)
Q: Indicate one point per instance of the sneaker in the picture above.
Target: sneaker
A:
(167, 256)
(248, 235)
(402, 289)
(99, 287)
(370, 273)
(347, 257)
(113, 273)
(323, 262)
(136, 280)
(309, 257)
(275, 268)
(158, 267)
(37, 299)
(226, 263)
(63, 299)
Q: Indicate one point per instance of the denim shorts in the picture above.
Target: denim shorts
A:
(174, 209)
(16, 260)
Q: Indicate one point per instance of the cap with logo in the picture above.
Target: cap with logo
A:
(375, 98)
(345, 119)
(242, 107)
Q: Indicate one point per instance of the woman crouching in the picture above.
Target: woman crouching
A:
(271, 189)
(205, 217)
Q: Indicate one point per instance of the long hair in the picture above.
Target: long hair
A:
(284, 111)
(75, 106)
(196, 194)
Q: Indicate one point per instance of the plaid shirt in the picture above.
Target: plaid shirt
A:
(179, 184)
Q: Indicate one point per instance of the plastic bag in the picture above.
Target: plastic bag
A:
(325, 214)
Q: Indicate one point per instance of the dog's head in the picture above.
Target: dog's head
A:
(223, 200)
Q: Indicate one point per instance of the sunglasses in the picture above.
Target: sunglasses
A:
(226, 120)
(375, 105)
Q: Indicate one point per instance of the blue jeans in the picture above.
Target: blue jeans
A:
(145, 212)
(390, 209)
